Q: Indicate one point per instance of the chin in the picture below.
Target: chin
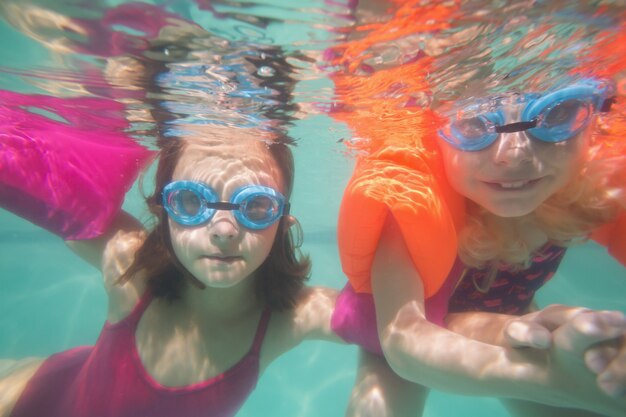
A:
(512, 209)
(219, 280)
(223, 283)
(512, 214)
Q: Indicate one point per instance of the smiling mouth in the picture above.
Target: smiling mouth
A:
(513, 185)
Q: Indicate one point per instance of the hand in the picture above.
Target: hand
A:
(581, 326)
(597, 337)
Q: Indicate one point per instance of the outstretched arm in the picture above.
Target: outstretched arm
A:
(309, 319)
(439, 358)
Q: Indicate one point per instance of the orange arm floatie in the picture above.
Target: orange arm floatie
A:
(400, 183)
(398, 172)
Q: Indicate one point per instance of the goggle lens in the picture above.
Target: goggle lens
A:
(260, 208)
(471, 130)
(186, 203)
(570, 114)
(562, 121)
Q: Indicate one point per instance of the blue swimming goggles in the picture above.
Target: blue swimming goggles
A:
(553, 117)
(192, 203)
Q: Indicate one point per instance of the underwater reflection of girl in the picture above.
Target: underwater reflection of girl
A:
(199, 306)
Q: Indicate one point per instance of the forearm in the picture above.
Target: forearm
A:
(483, 327)
(438, 358)
(431, 355)
(92, 250)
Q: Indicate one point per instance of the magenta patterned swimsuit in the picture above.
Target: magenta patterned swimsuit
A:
(512, 292)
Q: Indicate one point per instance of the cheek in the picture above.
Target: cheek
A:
(260, 243)
(567, 159)
(181, 239)
(458, 167)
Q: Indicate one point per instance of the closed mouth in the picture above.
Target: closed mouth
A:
(223, 258)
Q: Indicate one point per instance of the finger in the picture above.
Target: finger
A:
(588, 328)
(598, 358)
(527, 334)
(612, 386)
(534, 329)
(612, 380)
(556, 315)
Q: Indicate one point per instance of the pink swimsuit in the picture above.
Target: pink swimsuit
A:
(109, 380)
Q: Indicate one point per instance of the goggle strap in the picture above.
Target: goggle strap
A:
(606, 105)
(516, 127)
(222, 205)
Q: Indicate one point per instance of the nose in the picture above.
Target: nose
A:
(223, 227)
(513, 148)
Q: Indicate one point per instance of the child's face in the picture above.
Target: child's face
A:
(222, 253)
(517, 173)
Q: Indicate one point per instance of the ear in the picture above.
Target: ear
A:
(290, 221)
(293, 227)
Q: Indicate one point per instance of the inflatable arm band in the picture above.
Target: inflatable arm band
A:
(399, 183)
(69, 178)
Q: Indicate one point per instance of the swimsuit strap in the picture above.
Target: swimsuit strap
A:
(260, 331)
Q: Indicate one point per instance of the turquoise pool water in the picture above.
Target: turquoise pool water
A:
(51, 301)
